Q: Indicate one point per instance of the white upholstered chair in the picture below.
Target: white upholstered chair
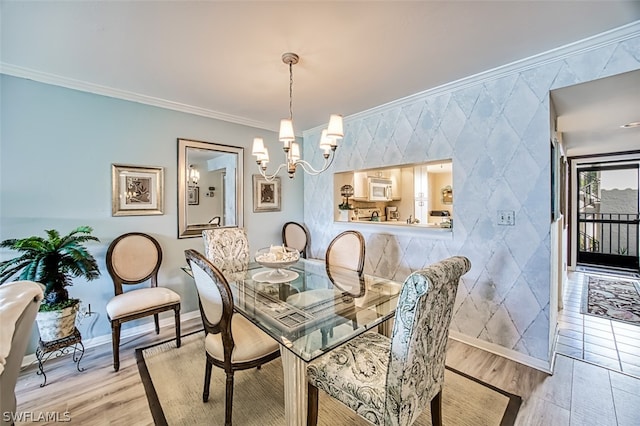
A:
(134, 258)
(227, 249)
(231, 341)
(347, 250)
(391, 381)
(19, 304)
(296, 235)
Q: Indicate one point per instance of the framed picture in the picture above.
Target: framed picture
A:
(266, 195)
(136, 190)
(193, 195)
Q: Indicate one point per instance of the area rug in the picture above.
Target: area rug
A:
(612, 298)
(173, 379)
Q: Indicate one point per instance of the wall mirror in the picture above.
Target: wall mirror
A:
(210, 187)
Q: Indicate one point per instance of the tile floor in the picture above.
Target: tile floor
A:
(611, 344)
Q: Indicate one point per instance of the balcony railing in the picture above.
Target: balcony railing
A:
(610, 236)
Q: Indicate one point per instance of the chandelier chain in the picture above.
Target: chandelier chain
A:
(290, 91)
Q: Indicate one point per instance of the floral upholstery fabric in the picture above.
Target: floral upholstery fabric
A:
(227, 249)
(391, 381)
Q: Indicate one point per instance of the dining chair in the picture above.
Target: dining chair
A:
(135, 258)
(347, 250)
(296, 235)
(227, 249)
(232, 342)
(390, 381)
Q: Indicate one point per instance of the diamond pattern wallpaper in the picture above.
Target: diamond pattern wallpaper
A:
(497, 133)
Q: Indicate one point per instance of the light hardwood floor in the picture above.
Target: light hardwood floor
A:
(578, 393)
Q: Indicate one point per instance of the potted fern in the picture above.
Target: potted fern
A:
(53, 262)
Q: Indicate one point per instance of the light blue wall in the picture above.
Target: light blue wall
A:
(496, 130)
(56, 150)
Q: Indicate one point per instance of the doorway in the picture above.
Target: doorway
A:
(607, 216)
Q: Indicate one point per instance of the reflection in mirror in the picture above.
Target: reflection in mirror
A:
(209, 187)
(447, 195)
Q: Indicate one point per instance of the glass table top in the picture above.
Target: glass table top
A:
(313, 308)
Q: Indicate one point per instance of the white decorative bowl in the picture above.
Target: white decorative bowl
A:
(277, 257)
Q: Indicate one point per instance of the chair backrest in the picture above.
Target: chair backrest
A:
(347, 251)
(227, 248)
(214, 296)
(295, 235)
(133, 258)
(419, 339)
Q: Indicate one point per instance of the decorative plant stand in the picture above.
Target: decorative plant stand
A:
(58, 348)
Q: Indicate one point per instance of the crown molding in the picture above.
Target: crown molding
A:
(597, 41)
(69, 83)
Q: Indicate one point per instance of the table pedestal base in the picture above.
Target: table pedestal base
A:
(295, 388)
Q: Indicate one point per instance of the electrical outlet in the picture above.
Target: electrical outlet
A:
(506, 217)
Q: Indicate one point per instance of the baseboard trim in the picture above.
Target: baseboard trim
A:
(125, 334)
(518, 357)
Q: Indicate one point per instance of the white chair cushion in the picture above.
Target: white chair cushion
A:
(140, 300)
(251, 343)
(355, 374)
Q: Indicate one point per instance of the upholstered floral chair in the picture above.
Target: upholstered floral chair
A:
(228, 250)
(391, 381)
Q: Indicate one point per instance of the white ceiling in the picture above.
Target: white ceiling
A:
(223, 58)
(590, 115)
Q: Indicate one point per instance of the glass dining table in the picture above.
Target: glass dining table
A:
(310, 309)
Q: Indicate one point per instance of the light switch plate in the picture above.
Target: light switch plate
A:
(506, 217)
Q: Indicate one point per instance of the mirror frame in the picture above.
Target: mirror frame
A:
(186, 230)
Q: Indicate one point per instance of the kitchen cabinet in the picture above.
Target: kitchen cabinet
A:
(360, 188)
(396, 183)
(421, 193)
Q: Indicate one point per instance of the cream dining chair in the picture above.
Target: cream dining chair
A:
(231, 341)
(296, 235)
(390, 381)
(135, 258)
(347, 250)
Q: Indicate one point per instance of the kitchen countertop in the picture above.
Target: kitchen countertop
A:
(401, 224)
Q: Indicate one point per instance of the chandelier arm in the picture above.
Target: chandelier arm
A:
(312, 171)
(271, 177)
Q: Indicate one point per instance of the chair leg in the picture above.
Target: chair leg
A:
(178, 337)
(312, 405)
(228, 404)
(436, 410)
(207, 381)
(115, 341)
(157, 321)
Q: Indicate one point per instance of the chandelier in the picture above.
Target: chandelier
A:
(194, 175)
(328, 139)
